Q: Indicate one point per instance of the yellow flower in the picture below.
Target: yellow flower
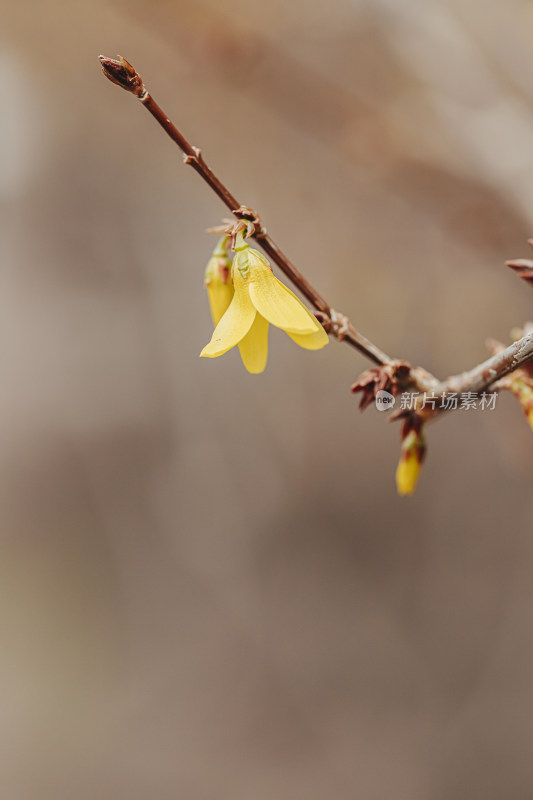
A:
(259, 299)
(410, 464)
(218, 280)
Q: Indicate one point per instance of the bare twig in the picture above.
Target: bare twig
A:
(491, 370)
(120, 72)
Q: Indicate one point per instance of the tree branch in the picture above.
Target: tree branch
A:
(119, 71)
(491, 370)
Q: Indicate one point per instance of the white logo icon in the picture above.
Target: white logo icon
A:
(384, 400)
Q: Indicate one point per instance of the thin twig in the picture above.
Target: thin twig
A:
(119, 71)
(491, 370)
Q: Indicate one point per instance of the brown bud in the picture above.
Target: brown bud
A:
(523, 268)
(389, 377)
(122, 73)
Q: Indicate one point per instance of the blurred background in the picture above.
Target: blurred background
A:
(209, 589)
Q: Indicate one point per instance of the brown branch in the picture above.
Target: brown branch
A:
(491, 370)
(120, 72)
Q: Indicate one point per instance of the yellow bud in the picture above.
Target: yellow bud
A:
(407, 473)
(523, 390)
(218, 281)
(410, 464)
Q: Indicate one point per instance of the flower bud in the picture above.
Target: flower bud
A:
(522, 388)
(412, 455)
(218, 280)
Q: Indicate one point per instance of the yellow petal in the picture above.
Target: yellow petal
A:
(220, 296)
(311, 341)
(274, 301)
(254, 346)
(234, 325)
(530, 417)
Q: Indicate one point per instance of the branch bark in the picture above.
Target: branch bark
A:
(491, 370)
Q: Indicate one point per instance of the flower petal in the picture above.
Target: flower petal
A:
(275, 302)
(311, 341)
(234, 325)
(220, 296)
(254, 346)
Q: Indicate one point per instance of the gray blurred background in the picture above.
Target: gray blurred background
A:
(209, 589)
